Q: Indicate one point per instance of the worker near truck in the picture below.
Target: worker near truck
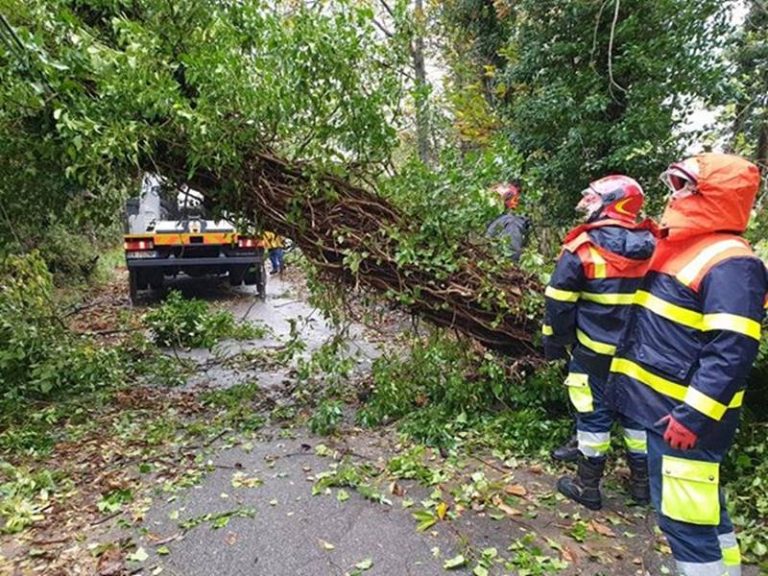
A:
(274, 245)
(587, 304)
(693, 333)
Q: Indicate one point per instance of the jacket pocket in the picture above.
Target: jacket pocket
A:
(579, 392)
(677, 366)
(690, 490)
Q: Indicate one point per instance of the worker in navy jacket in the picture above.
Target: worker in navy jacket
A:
(681, 366)
(587, 304)
(510, 227)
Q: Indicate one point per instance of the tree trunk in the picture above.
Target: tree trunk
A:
(421, 86)
(342, 230)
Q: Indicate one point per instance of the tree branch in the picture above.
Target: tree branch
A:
(610, 47)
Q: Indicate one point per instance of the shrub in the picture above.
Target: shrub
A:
(444, 388)
(191, 323)
(39, 357)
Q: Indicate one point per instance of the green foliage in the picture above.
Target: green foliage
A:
(530, 560)
(452, 204)
(236, 407)
(39, 358)
(444, 391)
(23, 496)
(91, 85)
(326, 417)
(746, 102)
(745, 476)
(74, 253)
(580, 97)
(191, 323)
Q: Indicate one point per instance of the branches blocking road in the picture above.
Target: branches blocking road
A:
(356, 237)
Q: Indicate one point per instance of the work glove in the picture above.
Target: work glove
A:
(677, 435)
(555, 351)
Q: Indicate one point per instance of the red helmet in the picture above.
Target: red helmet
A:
(509, 194)
(619, 197)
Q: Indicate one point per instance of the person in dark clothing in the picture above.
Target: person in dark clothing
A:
(681, 367)
(588, 300)
(511, 227)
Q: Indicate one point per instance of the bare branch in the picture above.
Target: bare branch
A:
(610, 48)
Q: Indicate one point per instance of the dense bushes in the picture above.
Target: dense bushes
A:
(39, 356)
(445, 387)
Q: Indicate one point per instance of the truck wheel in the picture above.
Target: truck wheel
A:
(237, 275)
(156, 281)
(133, 285)
(257, 275)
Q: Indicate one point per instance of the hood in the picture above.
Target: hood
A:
(727, 186)
(635, 244)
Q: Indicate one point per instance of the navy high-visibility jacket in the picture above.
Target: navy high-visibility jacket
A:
(693, 334)
(593, 284)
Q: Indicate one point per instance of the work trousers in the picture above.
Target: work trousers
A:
(686, 493)
(594, 419)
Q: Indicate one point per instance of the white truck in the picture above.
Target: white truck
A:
(163, 239)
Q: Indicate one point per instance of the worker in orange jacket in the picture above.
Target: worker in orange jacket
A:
(682, 363)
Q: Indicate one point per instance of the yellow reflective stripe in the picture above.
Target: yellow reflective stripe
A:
(672, 389)
(731, 556)
(610, 299)
(705, 404)
(696, 320)
(599, 347)
(732, 322)
(670, 311)
(599, 263)
(546, 329)
(657, 383)
(593, 444)
(561, 295)
(692, 269)
(636, 446)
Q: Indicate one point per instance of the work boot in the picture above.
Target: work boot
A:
(568, 452)
(639, 488)
(584, 488)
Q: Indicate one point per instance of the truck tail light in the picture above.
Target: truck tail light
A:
(247, 243)
(134, 245)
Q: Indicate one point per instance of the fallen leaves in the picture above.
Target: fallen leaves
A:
(325, 545)
(601, 529)
(516, 490)
(504, 507)
(455, 562)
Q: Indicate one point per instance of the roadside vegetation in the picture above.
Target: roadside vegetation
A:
(294, 115)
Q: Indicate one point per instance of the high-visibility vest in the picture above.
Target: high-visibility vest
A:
(588, 297)
(692, 336)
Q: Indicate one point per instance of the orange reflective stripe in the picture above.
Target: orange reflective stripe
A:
(692, 273)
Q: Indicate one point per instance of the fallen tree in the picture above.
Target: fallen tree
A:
(222, 105)
(350, 235)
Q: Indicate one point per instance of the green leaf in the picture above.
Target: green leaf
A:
(455, 562)
(364, 564)
(140, 555)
